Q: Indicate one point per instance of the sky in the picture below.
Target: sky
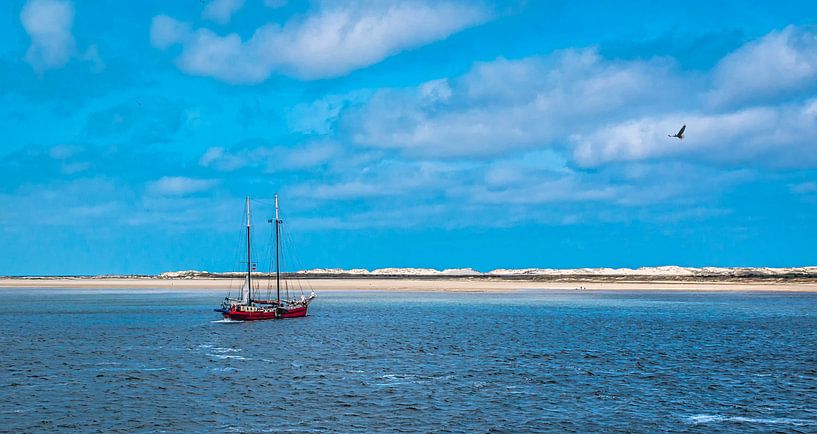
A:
(422, 133)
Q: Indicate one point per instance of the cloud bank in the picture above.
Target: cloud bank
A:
(598, 111)
(179, 185)
(329, 42)
(48, 23)
(221, 11)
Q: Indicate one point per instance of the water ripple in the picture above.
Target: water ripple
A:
(377, 362)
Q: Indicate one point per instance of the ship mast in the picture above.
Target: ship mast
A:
(249, 257)
(277, 254)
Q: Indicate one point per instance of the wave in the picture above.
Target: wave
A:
(227, 356)
(700, 419)
(131, 369)
(226, 321)
(222, 350)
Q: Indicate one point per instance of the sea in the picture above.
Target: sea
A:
(368, 361)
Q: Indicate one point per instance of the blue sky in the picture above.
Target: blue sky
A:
(407, 133)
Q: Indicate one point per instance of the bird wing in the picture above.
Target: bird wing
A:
(681, 132)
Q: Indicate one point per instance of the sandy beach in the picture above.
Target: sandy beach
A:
(403, 284)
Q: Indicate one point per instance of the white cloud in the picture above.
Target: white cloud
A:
(395, 217)
(270, 158)
(768, 135)
(173, 212)
(435, 91)
(309, 156)
(48, 23)
(507, 191)
(328, 43)
(599, 111)
(582, 134)
(384, 178)
(221, 11)
(91, 55)
(320, 116)
(568, 188)
(179, 185)
(64, 151)
(526, 182)
(342, 190)
(211, 156)
(226, 58)
(217, 158)
(505, 105)
(166, 31)
(59, 202)
(768, 68)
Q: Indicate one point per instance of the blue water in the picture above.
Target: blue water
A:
(374, 362)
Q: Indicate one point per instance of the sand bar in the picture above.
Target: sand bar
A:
(403, 284)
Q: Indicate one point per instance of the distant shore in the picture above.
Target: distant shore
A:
(414, 283)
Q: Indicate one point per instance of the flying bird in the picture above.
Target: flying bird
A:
(680, 133)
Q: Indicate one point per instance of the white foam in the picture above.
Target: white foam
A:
(221, 350)
(716, 418)
(227, 356)
(226, 321)
(396, 379)
(131, 369)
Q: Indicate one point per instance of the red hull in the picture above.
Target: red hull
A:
(297, 312)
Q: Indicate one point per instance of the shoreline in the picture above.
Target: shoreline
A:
(406, 284)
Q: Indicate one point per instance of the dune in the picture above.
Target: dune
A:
(663, 278)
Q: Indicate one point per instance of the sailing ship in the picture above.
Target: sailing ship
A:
(248, 306)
